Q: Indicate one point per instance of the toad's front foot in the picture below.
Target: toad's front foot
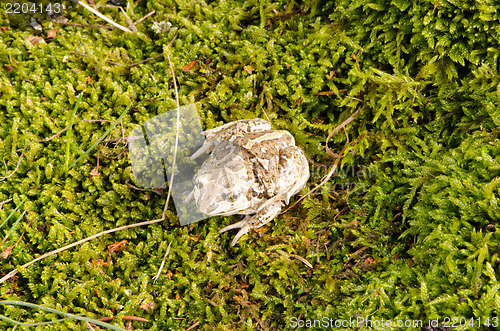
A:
(249, 223)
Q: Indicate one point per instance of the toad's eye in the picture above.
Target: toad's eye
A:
(232, 197)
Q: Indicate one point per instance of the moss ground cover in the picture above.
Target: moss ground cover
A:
(406, 230)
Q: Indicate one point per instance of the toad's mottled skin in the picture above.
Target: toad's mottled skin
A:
(251, 170)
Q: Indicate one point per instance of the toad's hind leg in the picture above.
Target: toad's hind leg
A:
(265, 215)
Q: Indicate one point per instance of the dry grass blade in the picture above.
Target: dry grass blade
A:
(110, 21)
(3, 203)
(87, 324)
(339, 127)
(155, 278)
(131, 25)
(177, 129)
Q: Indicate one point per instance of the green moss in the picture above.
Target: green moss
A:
(405, 230)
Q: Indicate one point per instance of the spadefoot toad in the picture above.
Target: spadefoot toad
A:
(251, 170)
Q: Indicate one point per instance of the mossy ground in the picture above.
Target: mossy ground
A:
(407, 231)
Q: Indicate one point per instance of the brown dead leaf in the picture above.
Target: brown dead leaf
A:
(106, 318)
(195, 238)
(6, 252)
(8, 67)
(169, 275)
(209, 255)
(189, 66)
(147, 305)
(134, 318)
(100, 262)
(117, 246)
(94, 172)
(52, 33)
(249, 69)
(61, 19)
(34, 39)
(4, 28)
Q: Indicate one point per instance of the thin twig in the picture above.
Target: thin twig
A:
(88, 25)
(354, 98)
(301, 259)
(144, 17)
(157, 56)
(435, 6)
(341, 126)
(85, 55)
(110, 21)
(147, 60)
(123, 138)
(98, 120)
(193, 326)
(140, 189)
(124, 317)
(337, 160)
